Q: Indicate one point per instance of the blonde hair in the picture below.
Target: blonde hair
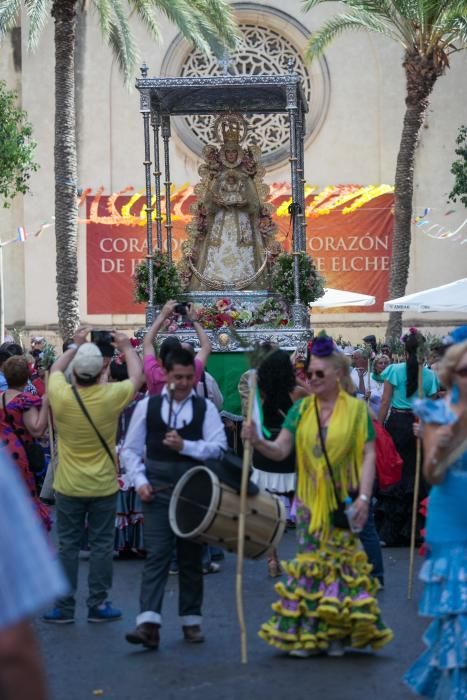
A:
(342, 363)
(450, 362)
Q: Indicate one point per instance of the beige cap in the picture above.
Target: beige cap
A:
(88, 362)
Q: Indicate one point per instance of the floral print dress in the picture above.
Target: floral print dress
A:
(16, 408)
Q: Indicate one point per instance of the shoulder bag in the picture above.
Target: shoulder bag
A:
(34, 452)
(85, 411)
(338, 517)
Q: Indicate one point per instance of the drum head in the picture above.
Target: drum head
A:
(191, 510)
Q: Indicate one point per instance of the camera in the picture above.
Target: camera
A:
(181, 308)
(102, 337)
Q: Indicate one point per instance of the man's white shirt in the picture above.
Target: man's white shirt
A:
(211, 445)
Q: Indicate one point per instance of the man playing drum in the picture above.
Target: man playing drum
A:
(172, 433)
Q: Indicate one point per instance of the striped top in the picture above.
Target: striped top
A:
(30, 578)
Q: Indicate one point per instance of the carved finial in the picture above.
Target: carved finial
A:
(144, 70)
(290, 65)
(224, 63)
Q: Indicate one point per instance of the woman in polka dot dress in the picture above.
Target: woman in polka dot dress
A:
(27, 415)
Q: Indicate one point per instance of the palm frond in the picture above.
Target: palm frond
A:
(355, 21)
(122, 42)
(208, 24)
(147, 14)
(38, 12)
(387, 12)
(180, 13)
(104, 14)
(9, 13)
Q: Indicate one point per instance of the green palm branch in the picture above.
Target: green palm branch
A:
(428, 31)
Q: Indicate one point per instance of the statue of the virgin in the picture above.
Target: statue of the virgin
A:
(232, 228)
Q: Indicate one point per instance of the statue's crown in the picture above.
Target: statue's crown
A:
(230, 132)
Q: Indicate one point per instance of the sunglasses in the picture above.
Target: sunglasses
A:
(462, 372)
(319, 374)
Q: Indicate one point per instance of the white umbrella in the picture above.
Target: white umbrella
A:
(449, 298)
(338, 297)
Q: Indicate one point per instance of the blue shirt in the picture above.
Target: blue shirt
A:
(30, 578)
(3, 382)
(396, 375)
(447, 502)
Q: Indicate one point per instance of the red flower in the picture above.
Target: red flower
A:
(223, 320)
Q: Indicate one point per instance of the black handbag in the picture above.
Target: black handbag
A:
(34, 452)
(338, 516)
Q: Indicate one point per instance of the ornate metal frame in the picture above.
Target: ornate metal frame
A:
(163, 98)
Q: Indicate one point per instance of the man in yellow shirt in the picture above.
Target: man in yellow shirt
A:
(86, 415)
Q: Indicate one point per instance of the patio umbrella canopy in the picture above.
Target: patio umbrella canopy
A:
(450, 297)
(336, 297)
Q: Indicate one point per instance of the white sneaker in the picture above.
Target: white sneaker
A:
(336, 648)
(304, 653)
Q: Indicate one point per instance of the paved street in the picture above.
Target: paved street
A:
(86, 661)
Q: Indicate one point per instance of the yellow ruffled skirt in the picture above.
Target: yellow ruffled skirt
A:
(327, 595)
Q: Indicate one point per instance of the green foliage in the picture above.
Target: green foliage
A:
(459, 169)
(311, 283)
(47, 357)
(16, 147)
(209, 24)
(427, 27)
(167, 283)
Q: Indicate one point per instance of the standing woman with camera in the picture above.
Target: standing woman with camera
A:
(328, 599)
(23, 417)
(154, 370)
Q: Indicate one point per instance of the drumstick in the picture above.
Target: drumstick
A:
(171, 389)
(247, 456)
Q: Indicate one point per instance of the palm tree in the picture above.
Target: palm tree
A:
(206, 23)
(429, 31)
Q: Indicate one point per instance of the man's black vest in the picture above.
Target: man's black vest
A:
(156, 430)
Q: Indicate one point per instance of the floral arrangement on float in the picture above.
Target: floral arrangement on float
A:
(167, 283)
(311, 283)
(224, 313)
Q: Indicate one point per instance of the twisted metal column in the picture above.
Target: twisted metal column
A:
(167, 183)
(301, 129)
(145, 108)
(156, 123)
(297, 312)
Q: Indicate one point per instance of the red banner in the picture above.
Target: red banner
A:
(349, 235)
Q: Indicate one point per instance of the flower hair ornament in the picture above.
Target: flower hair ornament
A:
(412, 331)
(322, 346)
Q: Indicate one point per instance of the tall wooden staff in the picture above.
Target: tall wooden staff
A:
(416, 490)
(247, 455)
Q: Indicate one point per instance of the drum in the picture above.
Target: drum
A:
(204, 509)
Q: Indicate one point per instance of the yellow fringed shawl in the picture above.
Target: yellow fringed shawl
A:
(346, 436)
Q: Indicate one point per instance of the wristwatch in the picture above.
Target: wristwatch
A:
(72, 346)
(364, 497)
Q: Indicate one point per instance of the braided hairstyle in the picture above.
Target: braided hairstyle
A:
(412, 341)
(276, 381)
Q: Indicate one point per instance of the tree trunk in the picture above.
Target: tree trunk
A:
(66, 208)
(421, 74)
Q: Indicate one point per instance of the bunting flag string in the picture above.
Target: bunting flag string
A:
(22, 235)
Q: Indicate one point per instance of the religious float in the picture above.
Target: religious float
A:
(247, 290)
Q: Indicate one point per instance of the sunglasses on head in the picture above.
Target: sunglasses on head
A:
(318, 373)
(462, 372)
